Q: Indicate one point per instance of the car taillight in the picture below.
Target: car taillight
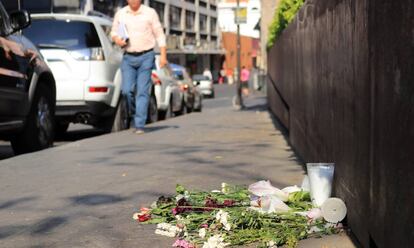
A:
(98, 89)
(155, 78)
(184, 87)
(88, 54)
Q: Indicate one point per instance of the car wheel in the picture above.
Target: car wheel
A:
(120, 120)
(152, 110)
(184, 108)
(38, 131)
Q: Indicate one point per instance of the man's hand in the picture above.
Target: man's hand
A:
(163, 56)
(120, 42)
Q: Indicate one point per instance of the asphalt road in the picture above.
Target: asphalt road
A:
(79, 131)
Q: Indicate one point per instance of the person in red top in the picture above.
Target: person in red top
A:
(244, 78)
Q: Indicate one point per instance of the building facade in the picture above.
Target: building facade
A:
(193, 35)
(191, 26)
(249, 32)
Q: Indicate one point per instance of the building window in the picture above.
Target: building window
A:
(213, 25)
(190, 40)
(213, 7)
(190, 1)
(189, 20)
(175, 17)
(203, 23)
(159, 8)
(202, 4)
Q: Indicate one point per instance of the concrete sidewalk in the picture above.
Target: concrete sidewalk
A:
(83, 194)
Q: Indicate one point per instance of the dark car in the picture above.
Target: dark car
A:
(27, 88)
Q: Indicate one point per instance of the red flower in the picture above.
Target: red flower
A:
(228, 203)
(144, 217)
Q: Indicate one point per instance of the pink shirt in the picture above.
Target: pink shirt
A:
(245, 74)
(143, 28)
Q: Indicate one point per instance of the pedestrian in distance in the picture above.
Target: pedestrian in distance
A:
(136, 28)
(244, 79)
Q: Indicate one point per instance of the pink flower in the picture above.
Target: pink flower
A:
(204, 225)
(182, 243)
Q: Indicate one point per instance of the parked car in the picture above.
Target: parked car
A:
(27, 88)
(86, 65)
(167, 91)
(205, 84)
(192, 96)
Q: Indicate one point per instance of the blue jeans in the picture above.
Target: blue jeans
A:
(136, 83)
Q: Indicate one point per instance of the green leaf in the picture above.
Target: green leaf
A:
(180, 189)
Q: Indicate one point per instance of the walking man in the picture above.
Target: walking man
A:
(136, 28)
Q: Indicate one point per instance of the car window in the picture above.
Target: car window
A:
(107, 30)
(200, 77)
(178, 74)
(68, 34)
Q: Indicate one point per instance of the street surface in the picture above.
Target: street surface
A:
(83, 193)
(79, 131)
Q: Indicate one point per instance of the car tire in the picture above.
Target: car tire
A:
(152, 110)
(38, 131)
(120, 120)
(184, 109)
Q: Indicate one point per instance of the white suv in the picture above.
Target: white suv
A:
(86, 65)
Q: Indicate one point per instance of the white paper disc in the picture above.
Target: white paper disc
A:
(333, 210)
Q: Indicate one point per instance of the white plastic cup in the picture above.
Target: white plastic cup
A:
(320, 179)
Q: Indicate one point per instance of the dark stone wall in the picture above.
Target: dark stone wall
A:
(341, 79)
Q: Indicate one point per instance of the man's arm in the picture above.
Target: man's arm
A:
(163, 57)
(158, 32)
(114, 31)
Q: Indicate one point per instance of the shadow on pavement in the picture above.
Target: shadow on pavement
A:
(6, 151)
(78, 135)
(47, 225)
(96, 199)
(15, 202)
(158, 128)
(7, 231)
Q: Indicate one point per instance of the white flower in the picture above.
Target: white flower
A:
(165, 233)
(178, 217)
(224, 188)
(215, 241)
(202, 233)
(135, 216)
(223, 217)
(168, 230)
(218, 215)
(179, 197)
(271, 244)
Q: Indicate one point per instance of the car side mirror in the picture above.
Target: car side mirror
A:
(196, 83)
(19, 20)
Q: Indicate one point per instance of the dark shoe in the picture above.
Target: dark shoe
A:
(139, 131)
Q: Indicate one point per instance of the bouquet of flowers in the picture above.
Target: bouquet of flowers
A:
(232, 216)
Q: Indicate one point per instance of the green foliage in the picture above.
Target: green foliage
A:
(283, 16)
